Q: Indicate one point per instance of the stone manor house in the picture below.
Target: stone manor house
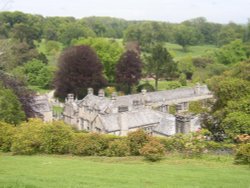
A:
(147, 110)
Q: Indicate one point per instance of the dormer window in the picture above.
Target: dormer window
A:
(123, 108)
(136, 102)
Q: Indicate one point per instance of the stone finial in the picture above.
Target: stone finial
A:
(70, 97)
(90, 91)
(143, 91)
(101, 93)
(113, 96)
(197, 89)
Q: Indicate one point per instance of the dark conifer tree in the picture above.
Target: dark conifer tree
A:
(128, 70)
(79, 68)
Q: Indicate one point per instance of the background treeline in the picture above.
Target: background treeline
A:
(27, 27)
(57, 138)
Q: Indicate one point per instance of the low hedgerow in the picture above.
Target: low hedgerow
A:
(7, 131)
(27, 139)
(153, 150)
(242, 155)
(136, 140)
(89, 144)
(118, 148)
(56, 138)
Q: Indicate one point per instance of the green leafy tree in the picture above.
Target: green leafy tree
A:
(38, 73)
(236, 123)
(185, 65)
(10, 108)
(186, 36)
(109, 52)
(159, 64)
(231, 53)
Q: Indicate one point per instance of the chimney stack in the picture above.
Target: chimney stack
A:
(70, 97)
(90, 91)
(143, 91)
(101, 93)
(197, 89)
(113, 96)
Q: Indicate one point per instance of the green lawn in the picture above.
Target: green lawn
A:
(93, 172)
(193, 51)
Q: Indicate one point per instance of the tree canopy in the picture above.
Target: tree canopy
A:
(79, 68)
(129, 70)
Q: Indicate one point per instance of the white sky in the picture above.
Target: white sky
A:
(221, 11)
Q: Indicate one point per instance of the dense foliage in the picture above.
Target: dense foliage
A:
(79, 68)
(128, 70)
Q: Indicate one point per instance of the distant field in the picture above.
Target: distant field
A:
(194, 51)
(103, 172)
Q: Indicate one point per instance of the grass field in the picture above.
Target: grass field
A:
(94, 172)
(193, 51)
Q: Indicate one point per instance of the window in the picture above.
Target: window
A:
(122, 108)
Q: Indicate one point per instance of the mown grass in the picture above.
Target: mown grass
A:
(192, 51)
(69, 172)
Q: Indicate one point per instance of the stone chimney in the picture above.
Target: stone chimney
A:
(113, 96)
(197, 89)
(90, 91)
(101, 93)
(70, 97)
(143, 91)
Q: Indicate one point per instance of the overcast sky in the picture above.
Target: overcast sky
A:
(221, 11)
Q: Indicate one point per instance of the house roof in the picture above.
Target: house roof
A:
(167, 96)
(41, 104)
(133, 119)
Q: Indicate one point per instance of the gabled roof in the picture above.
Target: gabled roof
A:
(41, 104)
(132, 119)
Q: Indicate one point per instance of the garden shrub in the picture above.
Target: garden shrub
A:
(6, 134)
(118, 148)
(56, 138)
(153, 150)
(243, 138)
(89, 144)
(242, 155)
(136, 140)
(28, 139)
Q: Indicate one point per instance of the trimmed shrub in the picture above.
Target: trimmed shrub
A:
(153, 150)
(89, 144)
(27, 139)
(7, 131)
(118, 148)
(242, 155)
(136, 140)
(56, 138)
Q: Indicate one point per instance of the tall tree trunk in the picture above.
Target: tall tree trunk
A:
(156, 83)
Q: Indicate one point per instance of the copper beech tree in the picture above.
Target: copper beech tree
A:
(79, 68)
(128, 70)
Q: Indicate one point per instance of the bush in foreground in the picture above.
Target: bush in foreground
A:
(88, 144)
(136, 140)
(153, 150)
(6, 134)
(118, 148)
(28, 139)
(56, 138)
(242, 155)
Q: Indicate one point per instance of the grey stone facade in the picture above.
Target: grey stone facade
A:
(147, 110)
